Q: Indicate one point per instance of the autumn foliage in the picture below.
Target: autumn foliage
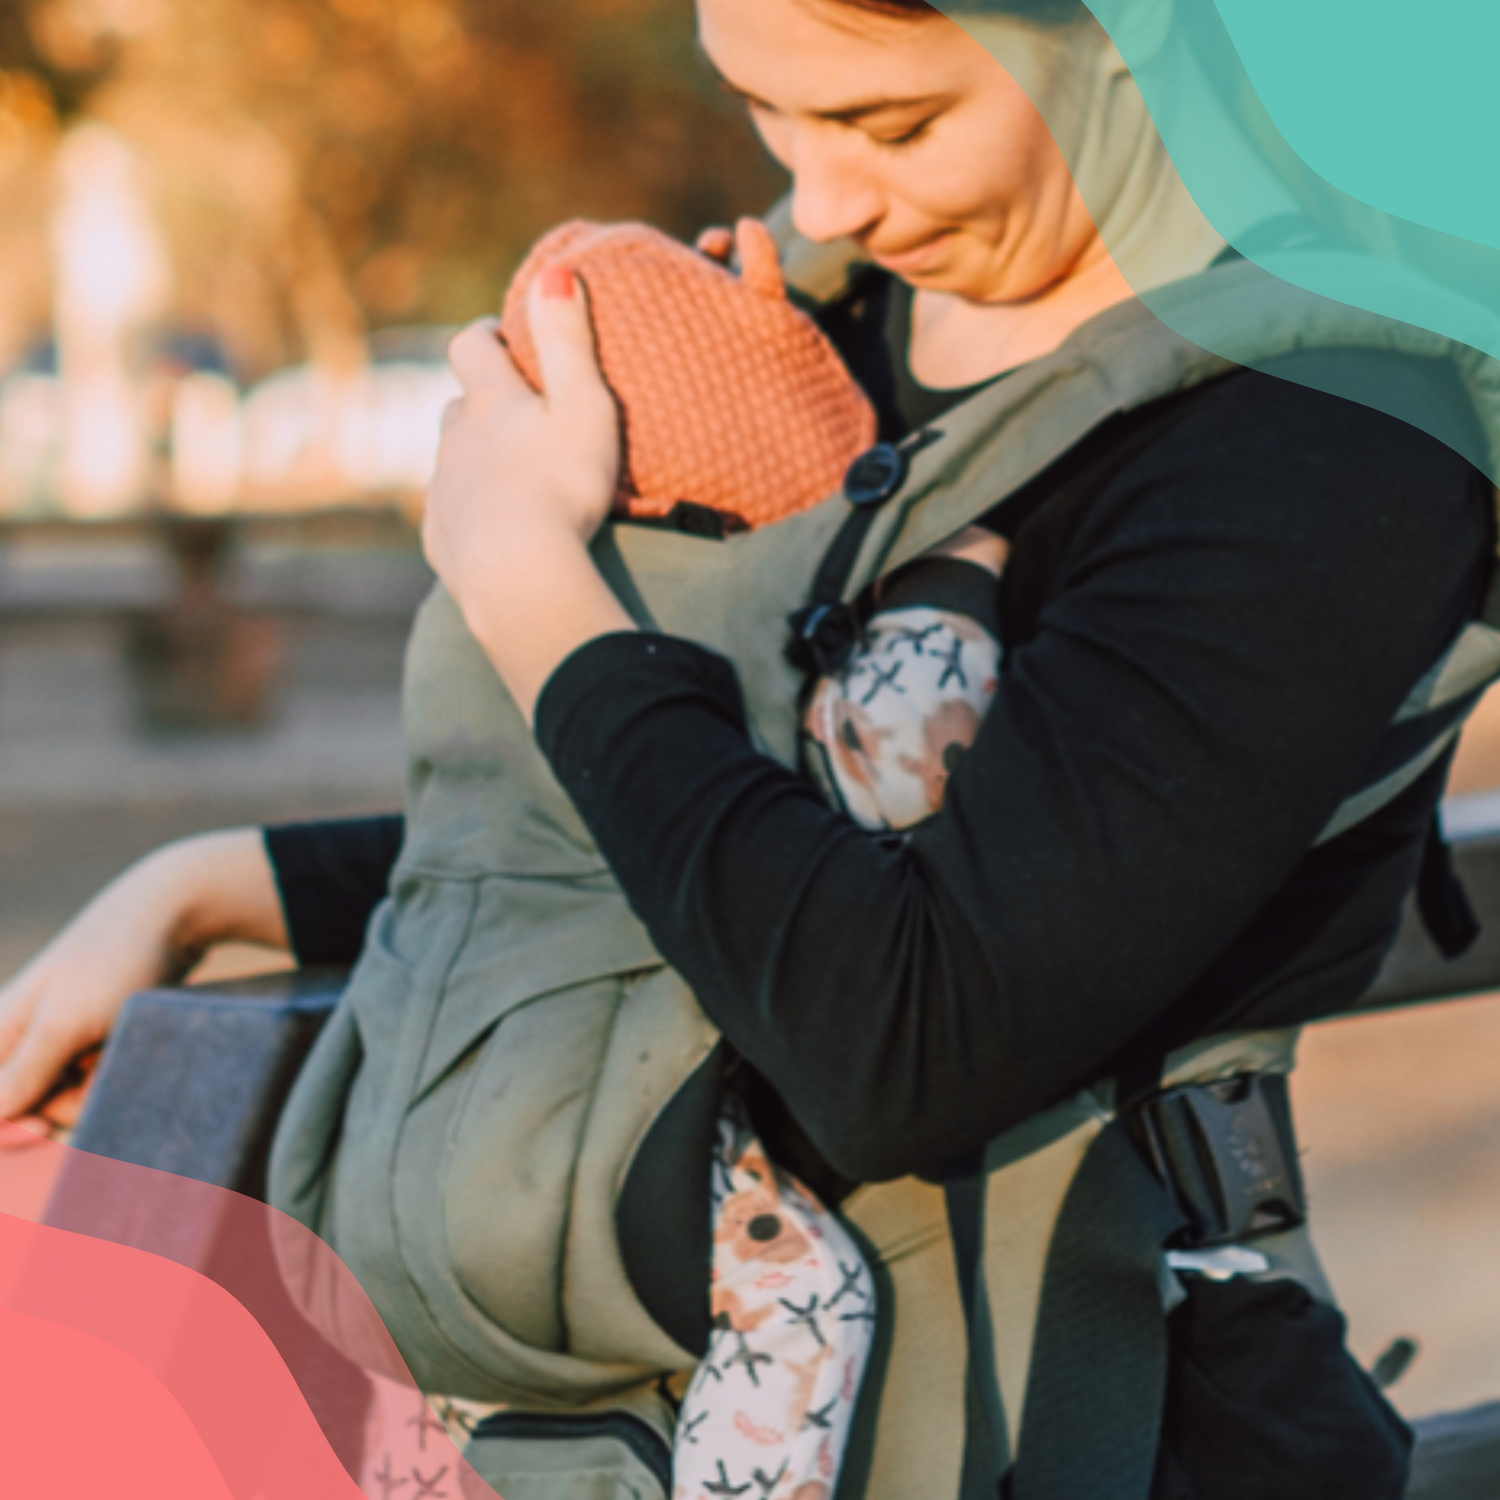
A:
(323, 167)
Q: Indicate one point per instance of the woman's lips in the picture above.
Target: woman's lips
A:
(909, 262)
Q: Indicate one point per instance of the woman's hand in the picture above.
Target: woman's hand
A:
(523, 481)
(148, 927)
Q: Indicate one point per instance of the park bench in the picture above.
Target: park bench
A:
(200, 653)
(192, 1081)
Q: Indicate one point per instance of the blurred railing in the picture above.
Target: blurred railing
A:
(302, 440)
(304, 457)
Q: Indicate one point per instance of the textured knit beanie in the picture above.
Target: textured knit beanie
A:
(730, 398)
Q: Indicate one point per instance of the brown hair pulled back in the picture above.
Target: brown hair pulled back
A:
(1039, 12)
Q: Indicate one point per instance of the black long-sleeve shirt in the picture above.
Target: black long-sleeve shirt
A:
(1202, 653)
(1200, 663)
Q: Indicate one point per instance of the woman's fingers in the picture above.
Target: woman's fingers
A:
(482, 362)
(17, 1000)
(18, 1004)
(22, 1134)
(45, 1080)
(64, 1107)
(34, 1067)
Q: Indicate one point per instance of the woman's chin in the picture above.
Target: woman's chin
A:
(971, 278)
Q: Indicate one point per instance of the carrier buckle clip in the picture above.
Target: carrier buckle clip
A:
(1227, 1152)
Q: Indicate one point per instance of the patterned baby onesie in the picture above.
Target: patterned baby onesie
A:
(768, 1413)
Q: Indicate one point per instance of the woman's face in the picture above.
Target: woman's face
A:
(907, 136)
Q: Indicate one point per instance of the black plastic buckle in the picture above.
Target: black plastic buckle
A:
(876, 475)
(1228, 1153)
(826, 631)
(823, 638)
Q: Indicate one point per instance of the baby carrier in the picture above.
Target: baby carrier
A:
(476, 1119)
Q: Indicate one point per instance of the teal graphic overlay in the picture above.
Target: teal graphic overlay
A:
(1343, 147)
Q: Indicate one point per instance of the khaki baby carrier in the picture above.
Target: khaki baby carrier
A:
(462, 1130)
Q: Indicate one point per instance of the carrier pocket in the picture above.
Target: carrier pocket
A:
(1264, 1399)
(548, 1456)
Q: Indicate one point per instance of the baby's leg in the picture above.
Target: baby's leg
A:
(767, 1415)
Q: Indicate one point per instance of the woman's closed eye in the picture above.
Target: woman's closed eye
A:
(908, 137)
(888, 134)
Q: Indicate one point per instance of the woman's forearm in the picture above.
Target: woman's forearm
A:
(544, 611)
(147, 927)
(1207, 677)
(522, 483)
(222, 888)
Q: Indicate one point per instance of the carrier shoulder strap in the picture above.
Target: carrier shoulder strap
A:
(907, 497)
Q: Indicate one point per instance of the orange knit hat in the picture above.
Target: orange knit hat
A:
(729, 397)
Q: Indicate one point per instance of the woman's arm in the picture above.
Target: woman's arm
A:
(148, 927)
(522, 483)
(1214, 652)
(331, 875)
(1214, 658)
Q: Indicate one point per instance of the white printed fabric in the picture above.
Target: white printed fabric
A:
(885, 734)
(412, 1443)
(768, 1412)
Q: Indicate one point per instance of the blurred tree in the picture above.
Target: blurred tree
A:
(62, 56)
(322, 166)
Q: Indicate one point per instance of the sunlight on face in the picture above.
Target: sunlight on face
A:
(907, 136)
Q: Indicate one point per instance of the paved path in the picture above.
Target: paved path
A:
(82, 792)
(1400, 1123)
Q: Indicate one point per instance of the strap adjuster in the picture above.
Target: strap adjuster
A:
(1227, 1152)
(823, 638)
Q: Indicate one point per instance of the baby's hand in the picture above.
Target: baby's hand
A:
(717, 244)
(976, 545)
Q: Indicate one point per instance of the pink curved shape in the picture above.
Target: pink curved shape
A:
(172, 1292)
(84, 1420)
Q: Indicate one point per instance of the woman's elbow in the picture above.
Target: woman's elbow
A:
(879, 1125)
(872, 1141)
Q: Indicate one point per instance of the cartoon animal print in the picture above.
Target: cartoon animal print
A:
(854, 741)
(947, 732)
(753, 1225)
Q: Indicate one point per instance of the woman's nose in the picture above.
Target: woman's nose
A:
(832, 196)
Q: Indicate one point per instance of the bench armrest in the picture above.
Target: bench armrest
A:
(193, 1079)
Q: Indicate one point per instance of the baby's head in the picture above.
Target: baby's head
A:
(730, 398)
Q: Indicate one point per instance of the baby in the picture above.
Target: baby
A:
(768, 1410)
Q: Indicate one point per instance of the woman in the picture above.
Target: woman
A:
(1215, 604)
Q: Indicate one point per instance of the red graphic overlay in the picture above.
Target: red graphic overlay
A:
(152, 1345)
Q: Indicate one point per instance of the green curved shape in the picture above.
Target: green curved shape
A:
(1399, 115)
(1278, 205)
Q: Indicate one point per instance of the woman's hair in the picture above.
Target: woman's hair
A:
(1040, 12)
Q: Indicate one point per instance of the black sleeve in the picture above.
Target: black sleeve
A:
(1225, 640)
(331, 876)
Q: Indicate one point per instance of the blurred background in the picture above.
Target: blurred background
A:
(234, 238)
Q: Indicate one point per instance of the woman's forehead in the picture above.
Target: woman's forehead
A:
(829, 58)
